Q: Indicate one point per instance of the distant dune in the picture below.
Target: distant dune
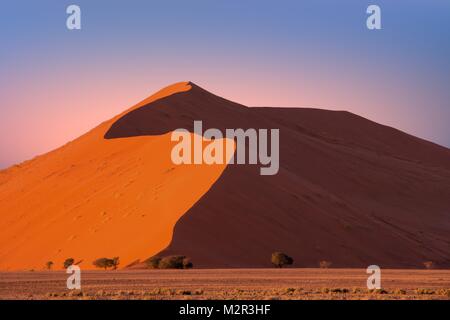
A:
(349, 191)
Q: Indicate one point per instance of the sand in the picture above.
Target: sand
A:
(97, 198)
(226, 284)
(349, 191)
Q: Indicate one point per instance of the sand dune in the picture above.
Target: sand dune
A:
(95, 197)
(349, 191)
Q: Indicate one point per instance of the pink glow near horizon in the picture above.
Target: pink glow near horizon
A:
(47, 110)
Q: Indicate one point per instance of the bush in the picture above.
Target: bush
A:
(106, 263)
(378, 291)
(102, 263)
(49, 265)
(187, 264)
(425, 291)
(115, 262)
(68, 262)
(153, 262)
(279, 259)
(325, 264)
(169, 262)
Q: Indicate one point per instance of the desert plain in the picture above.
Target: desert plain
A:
(227, 284)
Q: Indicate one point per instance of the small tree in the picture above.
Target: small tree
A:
(68, 262)
(49, 265)
(279, 259)
(115, 262)
(171, 262)
(153, 262)
(187, 264)
(103, 263)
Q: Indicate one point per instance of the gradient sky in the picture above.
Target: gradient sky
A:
(56, 84)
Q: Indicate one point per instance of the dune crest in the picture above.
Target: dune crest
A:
(348, 190)
(97, 198)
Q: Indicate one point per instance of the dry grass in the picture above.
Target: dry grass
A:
(243, 284)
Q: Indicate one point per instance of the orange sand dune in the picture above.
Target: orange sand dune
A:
(97, 198)
(349, 191)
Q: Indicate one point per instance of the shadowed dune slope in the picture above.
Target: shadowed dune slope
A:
(349, 190)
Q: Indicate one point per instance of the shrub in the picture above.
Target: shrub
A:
(425, 291)
(444, 292)
(102, 263)
(115, 262)
(279, 259)
(184, 292)
(171, 262)
(290, 290)
(428, 264)
(68, 262)
(106, 263)
(153, 262)
(187, 264)
(339, 290)
(400, 291)
(49, 265)
(378, 291)
(325, 264)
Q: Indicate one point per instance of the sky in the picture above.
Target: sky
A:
(56, 84)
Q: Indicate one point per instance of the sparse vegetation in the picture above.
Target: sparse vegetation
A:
(324, 264)
(399, 291)
(358, 290)
(75, 293)
(184, 292)
(153, 262)
(187, 264)
(378, 291)
(230, 285)
(68, 262)
(280, 259)
(444, 292)
(115, 262)
(49, 265)
(425, 291)
(338, 290)
(106, 263)
(169, 262)
(173, 262)
(290, 291)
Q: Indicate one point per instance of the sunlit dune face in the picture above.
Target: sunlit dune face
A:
(98, 198)
(165, 92)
